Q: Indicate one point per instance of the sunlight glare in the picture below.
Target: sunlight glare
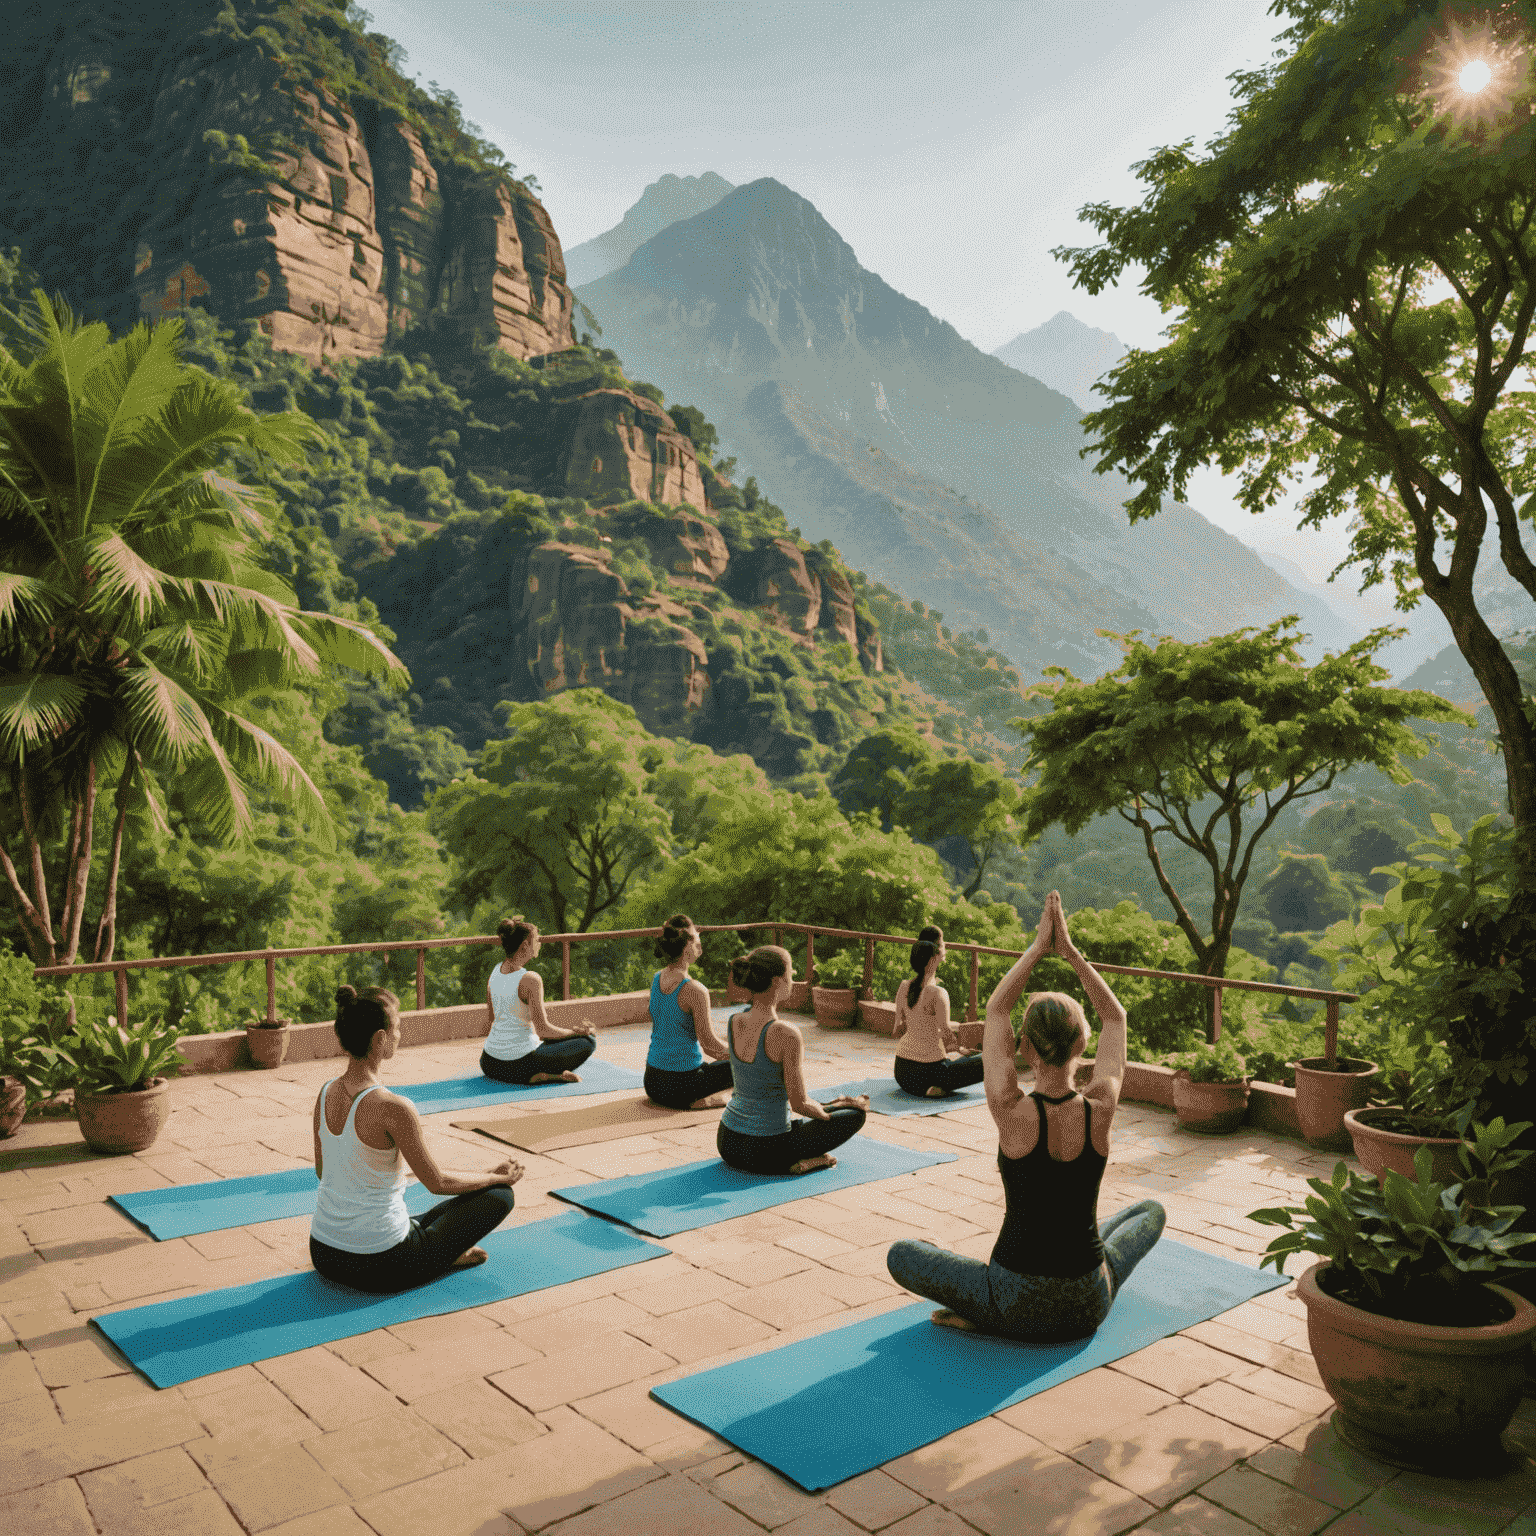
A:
(1474, 77)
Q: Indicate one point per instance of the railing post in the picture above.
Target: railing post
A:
(869, 967)
(970, 1007)
(778, 938)
(565, 970)
(1215, 1034)
(810, 959)
(1331, 1032)
(271, 988)
(120, 983)
(421, 978)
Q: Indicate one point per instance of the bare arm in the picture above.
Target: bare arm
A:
(998, 1045)
(490, 1010)
(398, 1117)
(319, 1159)
(1109, 1056)
(531, 990)
(695, 1000)
(792, 1059)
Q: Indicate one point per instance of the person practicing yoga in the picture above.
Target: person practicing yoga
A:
(365, 1138)
(523, 1046)
(682, 1032)
(1055, 1270)
(923, 1063)
(767, 1056)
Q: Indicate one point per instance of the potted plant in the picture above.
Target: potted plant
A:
(835, 993)
(122, 1099)
(1210, 1088)
(267, 1040)
(1422, 1352)
(1412, 1106)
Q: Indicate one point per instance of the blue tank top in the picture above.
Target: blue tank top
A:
(674, 1037)
(759, 1103)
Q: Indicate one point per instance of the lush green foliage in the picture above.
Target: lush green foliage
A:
(1411, 1248)
(1301, 894)
(107, 1057)
(1218, 1063)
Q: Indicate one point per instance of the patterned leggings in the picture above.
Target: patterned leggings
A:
(1040, 1309)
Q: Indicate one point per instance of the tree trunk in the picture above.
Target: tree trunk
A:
(106, 929)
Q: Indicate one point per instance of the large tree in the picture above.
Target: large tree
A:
(1351, 274)
(135, 617)
(961, 798)
(1207, 743)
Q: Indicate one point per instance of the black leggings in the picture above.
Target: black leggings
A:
(436, 1239)
(679, 1090)
(804, 1138)
(920, 1076)
(552, 1056)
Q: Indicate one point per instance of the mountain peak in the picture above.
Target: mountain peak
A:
(1066, 354)
(666, 200)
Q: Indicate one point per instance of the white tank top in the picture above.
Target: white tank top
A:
(361, 1205)
(512, 1033)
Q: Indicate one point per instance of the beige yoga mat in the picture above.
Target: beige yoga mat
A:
(550, 1132)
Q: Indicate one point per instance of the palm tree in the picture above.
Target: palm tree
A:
(135, 619)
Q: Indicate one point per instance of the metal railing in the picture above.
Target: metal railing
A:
(811, 931)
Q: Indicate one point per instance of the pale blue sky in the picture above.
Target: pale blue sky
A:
(950, 144)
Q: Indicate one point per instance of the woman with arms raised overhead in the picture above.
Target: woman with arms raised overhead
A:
(756, 1133)
(682, 1032)
(923, 1062)
(523, 1046)
(365, 1138)
(1055, 1269)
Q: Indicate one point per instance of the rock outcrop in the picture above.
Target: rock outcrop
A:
(625, 446)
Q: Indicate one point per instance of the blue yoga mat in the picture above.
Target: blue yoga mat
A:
(833, 1406)
(700, 1194)
(187, 1209)
(176, 1341)
(886, 1098)
(597, 1076)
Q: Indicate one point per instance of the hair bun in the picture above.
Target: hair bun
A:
(345, 996)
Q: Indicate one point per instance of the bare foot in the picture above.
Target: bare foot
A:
(714, 1101)
(936, 1092)
(947, 1319)
(471, 1257)
(553, 1077)
(811, 1164)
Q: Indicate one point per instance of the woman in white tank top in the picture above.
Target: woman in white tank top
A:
(365, 1138)
(522, 1045)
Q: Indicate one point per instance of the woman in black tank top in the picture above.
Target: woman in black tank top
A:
(1055, 1269)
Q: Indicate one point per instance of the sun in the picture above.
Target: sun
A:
(1475, 76)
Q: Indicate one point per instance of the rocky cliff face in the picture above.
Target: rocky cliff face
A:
(623, 445)
(201, 167)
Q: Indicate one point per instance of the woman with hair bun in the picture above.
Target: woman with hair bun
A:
(756, 1133)
(923, 1064)
(1055, 1269)
(682, 1032)
(523, 1046)
(365, 1139)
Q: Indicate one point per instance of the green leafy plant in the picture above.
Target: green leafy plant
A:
(108, 1057)
(1413, 1249)
(1219, 1063)
(842, 970)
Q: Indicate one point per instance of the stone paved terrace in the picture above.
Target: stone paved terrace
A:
(532, 1414)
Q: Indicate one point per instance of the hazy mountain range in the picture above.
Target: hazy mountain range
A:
(662, 203)
(931, 465)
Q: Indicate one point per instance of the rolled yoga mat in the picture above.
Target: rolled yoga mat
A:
(176, 1341)
(184, 1210)
(699, 1194)
(830, 1407)
(475, 1092)
(886, 1098)
(551, 1131)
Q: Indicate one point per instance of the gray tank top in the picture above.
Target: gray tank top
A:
(759, 1104)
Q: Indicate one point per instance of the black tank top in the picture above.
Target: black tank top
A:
(1051, 1223)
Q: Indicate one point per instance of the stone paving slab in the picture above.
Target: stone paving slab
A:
(533, 1414)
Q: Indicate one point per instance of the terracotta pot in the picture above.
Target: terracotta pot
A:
(124, 1122)
(835, 1007)
(1210, 1109)
(1379, 1150)
(879, 1018)
(1323, 1098)
(1416, 1395)
(268, 1047)
(13, 1105)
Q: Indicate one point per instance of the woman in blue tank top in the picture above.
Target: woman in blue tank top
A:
(756, 1133)
(682, 1032)
(1055, 1269)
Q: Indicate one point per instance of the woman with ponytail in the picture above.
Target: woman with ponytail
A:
(522, 1046)
(923, 1063)
(682, 1032)
(365, 1139)
(1055, 1269)
(767, 1056)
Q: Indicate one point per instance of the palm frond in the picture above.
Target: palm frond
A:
(168, 723)
(25, 595)
(34, 709)
(348, 643)
(265, 759)
(136, 380)
(122, 576)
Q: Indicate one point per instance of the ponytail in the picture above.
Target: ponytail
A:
(927, 946)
